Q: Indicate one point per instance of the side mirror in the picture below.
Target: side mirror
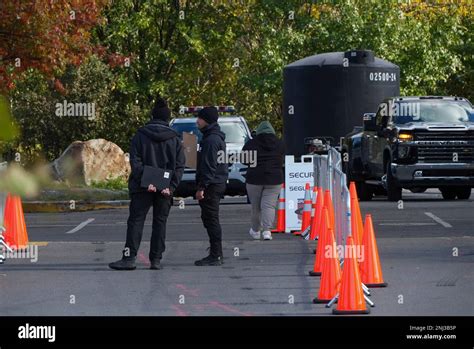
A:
(369, 122)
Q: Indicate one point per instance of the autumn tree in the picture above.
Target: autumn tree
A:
(44, 35)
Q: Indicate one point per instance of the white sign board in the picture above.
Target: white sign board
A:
(297, 174)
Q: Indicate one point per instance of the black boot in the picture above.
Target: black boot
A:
(208, 261)
(216, 250)
(155, 264)
(124, 264)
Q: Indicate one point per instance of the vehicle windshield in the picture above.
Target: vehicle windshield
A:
(235, 132)
(189, 127)
(432, 111)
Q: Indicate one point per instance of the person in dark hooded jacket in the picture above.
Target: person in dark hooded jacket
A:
(211, 181)
(159, 146)
(264, 178)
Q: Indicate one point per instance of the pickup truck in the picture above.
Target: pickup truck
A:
(414, 143)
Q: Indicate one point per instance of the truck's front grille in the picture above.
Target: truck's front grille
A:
(445, 135)
(445, 146)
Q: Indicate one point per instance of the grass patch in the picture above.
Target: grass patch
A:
(111, 184)
(101, 191)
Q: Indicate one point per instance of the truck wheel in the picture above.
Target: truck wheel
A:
(448, 193)
(364, 191)
(394, 192)
(463, 193)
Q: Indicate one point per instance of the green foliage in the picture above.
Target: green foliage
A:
(192, 60)
(233, 52)
(8, 129)
(42, 130)
(112, 184)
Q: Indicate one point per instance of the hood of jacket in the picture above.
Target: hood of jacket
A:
(267, 141)
(265, 127)
(213, 128)
(158, 130)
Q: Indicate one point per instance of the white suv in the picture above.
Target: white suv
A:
(237, 134)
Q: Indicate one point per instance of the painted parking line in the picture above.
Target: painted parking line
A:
(407, 224)
(438, 220)
(80, 226)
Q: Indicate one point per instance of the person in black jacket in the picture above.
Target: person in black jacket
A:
(159, 146)
(211, 179)
(264, 179)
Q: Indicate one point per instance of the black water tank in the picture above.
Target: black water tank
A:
(328, 94)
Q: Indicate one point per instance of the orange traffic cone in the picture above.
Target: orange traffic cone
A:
(314, 198)
(355, 211)
(331, 274)
(327, 203)
(352, 190)
(360, 225)
(330, 207)
(370, 267)
(14, 222)
(355, 225)
(351, 296)
(316, 221)
(280, 227)
(307, 235)
(306, 218)
(318, 259)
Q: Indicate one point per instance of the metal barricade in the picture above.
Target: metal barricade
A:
(321, 179)
(328, 175)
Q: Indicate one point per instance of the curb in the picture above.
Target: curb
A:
(81, 205)
(65, 206)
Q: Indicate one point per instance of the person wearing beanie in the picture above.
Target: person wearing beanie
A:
(161, 111)
(156, 145)
(211, 181)
(264, 179)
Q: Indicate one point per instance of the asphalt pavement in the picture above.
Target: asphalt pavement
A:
(426, 250)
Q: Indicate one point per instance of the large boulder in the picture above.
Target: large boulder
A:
(96, 160)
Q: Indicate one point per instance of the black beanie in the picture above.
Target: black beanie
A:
(160, 110)
(208, 114)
